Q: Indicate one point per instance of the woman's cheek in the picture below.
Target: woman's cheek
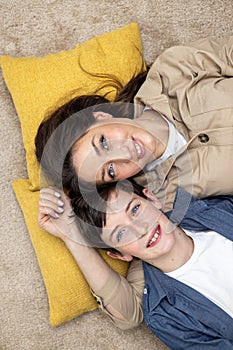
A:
(127, 170)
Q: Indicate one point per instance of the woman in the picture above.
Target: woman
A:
(187, 299)
(181, 134)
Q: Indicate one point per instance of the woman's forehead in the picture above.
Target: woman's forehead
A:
(112, 121)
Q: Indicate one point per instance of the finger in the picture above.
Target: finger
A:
(46, 207)
(60, 194)
(44, 192)
(54, 195)
(46, 197)
(59, 199)
(48, 211)
(52, 190)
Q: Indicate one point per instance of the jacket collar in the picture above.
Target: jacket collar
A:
(212, 213)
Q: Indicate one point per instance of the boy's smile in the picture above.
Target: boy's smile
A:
(155, 237)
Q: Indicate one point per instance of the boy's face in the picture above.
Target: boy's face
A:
(135, 226)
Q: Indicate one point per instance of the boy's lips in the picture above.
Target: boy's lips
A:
(154, 237)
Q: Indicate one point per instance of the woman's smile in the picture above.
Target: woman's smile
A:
(139, 148)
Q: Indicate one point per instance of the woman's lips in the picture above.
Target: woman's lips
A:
(138, 148)
(154, 237)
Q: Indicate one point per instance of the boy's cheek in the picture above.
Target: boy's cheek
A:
(150, 216)
(170, 227)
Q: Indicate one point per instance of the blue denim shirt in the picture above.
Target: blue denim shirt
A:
(176, 313)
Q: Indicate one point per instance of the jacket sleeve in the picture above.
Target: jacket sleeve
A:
(188, 80)
(124, 295)
(220, 48)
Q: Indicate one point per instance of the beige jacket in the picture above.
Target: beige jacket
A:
(193, 87)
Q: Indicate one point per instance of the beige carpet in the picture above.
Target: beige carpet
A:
(38, 27)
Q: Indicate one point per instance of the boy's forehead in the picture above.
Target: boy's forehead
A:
(118, 201)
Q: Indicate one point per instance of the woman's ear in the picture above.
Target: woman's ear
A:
(124, 257)
(152, 197)
(99, 115)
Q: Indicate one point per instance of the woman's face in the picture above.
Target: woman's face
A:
(113, 149)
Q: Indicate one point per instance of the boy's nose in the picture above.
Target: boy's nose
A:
(140, 229)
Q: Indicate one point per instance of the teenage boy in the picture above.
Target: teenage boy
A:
(187, 275)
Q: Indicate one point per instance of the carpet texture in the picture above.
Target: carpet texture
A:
(34, 27)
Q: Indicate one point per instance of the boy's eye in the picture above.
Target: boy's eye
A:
(111, 172)
(103, 142)
(135, 209)
(119, 235)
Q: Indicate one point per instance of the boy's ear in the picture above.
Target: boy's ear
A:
(153, 198)
(99, 115)
(124, 257)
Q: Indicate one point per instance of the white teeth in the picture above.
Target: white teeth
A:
(138, 149)
(153, 239)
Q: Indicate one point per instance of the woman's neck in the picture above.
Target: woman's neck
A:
(155, 124)
(179, 255)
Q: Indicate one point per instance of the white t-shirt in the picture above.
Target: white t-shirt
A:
(210, 268)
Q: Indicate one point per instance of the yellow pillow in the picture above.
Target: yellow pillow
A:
(36, 85)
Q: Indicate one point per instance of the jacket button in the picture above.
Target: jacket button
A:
(203, 138)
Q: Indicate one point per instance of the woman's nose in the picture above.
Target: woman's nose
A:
(120, 151)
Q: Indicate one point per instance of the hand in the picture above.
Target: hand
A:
(56, 216)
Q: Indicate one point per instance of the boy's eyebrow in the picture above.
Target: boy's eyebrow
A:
(113, 231)
(116, 228)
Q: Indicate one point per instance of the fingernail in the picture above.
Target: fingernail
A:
(60, 209)
(60, 202)
(57, 215)
(57, 194)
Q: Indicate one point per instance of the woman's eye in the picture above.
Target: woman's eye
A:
(135, 209)
(111, 172)
(103, 142)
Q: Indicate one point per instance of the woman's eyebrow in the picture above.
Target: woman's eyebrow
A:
(94, 145)
(98, 153)
(103, 175)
